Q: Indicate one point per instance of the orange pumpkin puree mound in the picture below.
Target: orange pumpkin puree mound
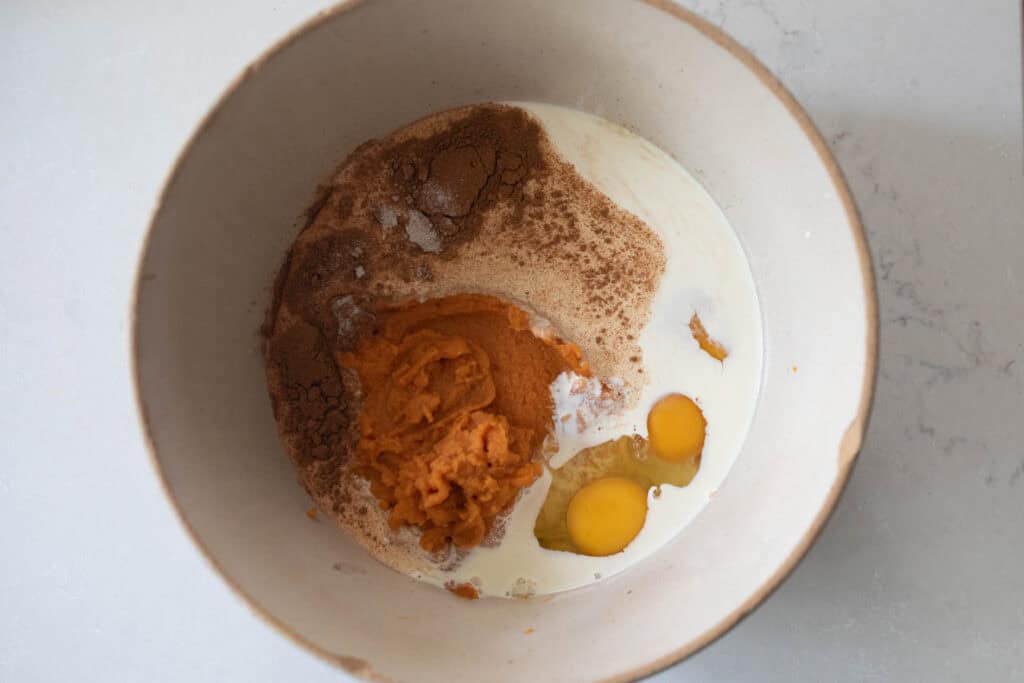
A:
(457, 405)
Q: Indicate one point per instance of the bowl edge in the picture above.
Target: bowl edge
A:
(849, 447)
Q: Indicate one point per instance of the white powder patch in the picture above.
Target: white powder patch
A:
(421, 233)
(349, 315)
(418, 228)
(436, 198)
(387, 216)
(585, 411)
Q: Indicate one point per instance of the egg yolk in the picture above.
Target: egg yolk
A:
(628, 457)
(605, 515)
(676, 428)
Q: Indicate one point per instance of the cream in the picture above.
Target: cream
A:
(706, 273)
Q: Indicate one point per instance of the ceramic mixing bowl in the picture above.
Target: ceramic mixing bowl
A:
(234, 202)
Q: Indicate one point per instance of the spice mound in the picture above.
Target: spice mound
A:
(457, 405)
(415, 408)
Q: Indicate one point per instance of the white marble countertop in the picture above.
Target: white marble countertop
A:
(918, 576)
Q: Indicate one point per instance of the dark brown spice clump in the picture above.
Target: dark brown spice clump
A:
(310, 403)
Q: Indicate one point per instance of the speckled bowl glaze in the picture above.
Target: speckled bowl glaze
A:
(231, 208)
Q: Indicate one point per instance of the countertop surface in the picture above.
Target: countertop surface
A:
(919, 575)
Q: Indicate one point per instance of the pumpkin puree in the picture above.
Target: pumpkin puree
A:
(457, 404)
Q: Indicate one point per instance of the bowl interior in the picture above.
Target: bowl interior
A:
(232, 207)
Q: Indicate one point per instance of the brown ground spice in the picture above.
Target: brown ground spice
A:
(471, 200)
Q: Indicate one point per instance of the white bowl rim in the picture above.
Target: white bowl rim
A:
(849, 446)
